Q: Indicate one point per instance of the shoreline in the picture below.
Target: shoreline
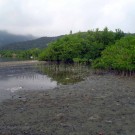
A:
(19, 63)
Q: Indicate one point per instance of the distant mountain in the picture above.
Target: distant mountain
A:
(7, 38)
(37, 43)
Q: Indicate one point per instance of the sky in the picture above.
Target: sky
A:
(58, 17)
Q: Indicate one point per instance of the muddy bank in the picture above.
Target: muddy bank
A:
(19, 63)
(100, 105)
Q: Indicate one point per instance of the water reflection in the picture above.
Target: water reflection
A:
(40, 77)
(24, 78)
(65, 73)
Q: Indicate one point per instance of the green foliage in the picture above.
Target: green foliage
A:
(120, 56)
(28, 54)
(80, 47)
(6, 53)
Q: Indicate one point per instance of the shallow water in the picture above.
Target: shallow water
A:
(38, 77)
(24, 78)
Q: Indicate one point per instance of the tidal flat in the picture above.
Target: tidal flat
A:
(100, 104)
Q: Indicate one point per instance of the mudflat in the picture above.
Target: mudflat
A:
(19, 63)
(99, 105)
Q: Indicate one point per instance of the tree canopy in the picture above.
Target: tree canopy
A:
(82, 46)
(119, 56)
(103, 49)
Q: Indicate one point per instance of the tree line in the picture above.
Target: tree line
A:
(21, 54)
(81, 46)
(119, 57)
(106, 50)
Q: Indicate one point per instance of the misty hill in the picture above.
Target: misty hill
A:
(37, 43)
(7, 38)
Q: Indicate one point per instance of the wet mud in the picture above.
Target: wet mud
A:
(99, 105)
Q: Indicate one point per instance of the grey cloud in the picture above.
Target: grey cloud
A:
(51, 17)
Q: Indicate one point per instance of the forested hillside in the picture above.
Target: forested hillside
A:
(7, 38)
(37, 43)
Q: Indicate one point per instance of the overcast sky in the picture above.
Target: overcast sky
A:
(57, 17)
